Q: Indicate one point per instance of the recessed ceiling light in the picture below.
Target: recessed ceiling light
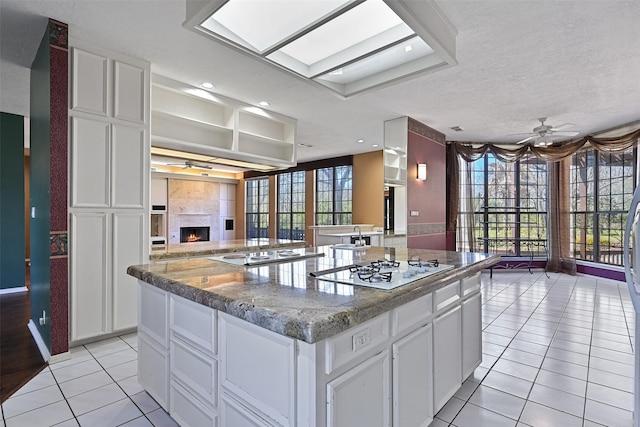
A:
(207, 85)
(408, 48)
(360, 141)
(375, 145)
(264, 103)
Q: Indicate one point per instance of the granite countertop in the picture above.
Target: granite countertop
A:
(284, 298)
(184, 250)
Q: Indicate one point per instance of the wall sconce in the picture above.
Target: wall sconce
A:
(422, 171)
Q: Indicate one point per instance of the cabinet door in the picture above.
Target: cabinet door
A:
(413, 379)
(89, 82)
(153, 369)
(130, 92)
(89, 163)
(129, 167)
(447, 356)
(471, 334)
(89, 275)
(128, 240)
(361, 396)
(258, 366)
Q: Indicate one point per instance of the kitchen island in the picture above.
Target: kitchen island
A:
(272, 345)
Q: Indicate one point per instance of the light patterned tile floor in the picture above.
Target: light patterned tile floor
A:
(97, 387)
(557, 352)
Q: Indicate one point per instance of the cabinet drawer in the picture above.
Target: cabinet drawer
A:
(194, 323)
(197, 372)
(470, 285)
(356, 343)
(408, 316)
(235, 414)
(187, 411)
(447, 296)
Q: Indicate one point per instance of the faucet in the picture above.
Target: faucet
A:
(359, 242)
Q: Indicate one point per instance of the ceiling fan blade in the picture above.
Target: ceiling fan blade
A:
(565, 133)
(522, 141)
(562, 126)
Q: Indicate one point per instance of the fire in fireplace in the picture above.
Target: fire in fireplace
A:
(194, 234)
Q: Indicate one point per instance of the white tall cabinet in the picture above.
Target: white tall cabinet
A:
(109, 181)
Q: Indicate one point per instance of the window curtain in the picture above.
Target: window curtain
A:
(559, 161)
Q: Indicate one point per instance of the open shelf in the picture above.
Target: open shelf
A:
(187, 106)
(265, 147)
(219, 126)
(177, 128)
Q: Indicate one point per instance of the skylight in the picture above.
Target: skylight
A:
(348, 46)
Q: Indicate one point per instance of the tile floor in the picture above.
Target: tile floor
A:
(557, 352)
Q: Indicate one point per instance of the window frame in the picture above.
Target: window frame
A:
(290, 213)
(593, 212)
(260, 216)
(338, 217)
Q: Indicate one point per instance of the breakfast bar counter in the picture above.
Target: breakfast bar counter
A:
(194, 249)
(286, 342)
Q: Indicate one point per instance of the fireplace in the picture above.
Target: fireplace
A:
(194, 234)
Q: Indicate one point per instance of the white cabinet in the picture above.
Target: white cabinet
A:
(159, 194)
(361, 396)
(153, 342)
(413, 379)
(190, 119)
(109, 188)
(208, 368)
(258, 369)
(447, 356)
(128, 237)
(471, 334)
(89, 274)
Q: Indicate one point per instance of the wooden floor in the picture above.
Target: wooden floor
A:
(20, 359)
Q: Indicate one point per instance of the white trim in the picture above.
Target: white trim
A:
(44, 351)
(60, 357)
(13, 290)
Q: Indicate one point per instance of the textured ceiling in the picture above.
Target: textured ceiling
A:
(571, 61)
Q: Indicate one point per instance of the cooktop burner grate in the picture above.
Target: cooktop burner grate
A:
(420, 263)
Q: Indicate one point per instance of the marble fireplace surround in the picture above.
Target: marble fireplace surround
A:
(199, 204)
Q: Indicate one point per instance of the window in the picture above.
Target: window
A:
(257, 208)
(291, 198)
(602, 186)
(503, 206)
(334, 195)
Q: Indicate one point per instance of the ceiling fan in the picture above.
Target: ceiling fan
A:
(543, 134)
(188, 164)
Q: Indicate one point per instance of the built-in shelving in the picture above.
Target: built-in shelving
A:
(194, 120)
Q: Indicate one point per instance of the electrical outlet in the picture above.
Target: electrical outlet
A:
(414, 213)
(361, 339)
